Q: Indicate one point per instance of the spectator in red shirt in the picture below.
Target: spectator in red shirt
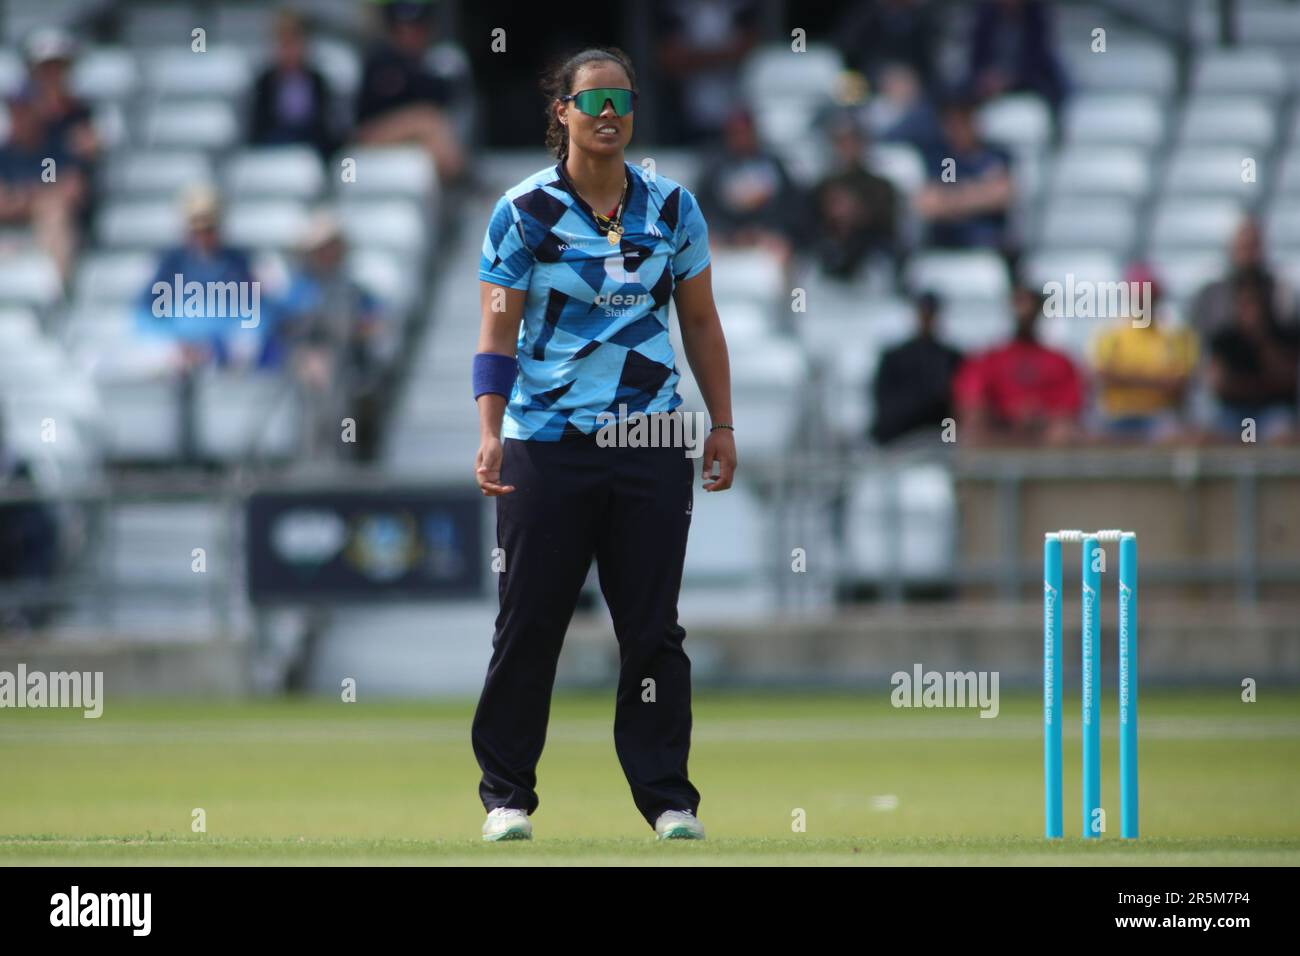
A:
(1022, 392)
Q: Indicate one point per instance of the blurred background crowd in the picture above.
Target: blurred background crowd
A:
(892, 188)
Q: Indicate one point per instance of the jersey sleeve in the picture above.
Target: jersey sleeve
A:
(506, 258)
(691, 245)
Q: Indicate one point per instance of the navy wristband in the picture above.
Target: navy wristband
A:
(494, 374)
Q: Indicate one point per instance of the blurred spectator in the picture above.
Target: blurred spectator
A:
(42, 186)
(856, 210)
(701, 48)
(195, 300)
(969, 210)
(1012, 51)
(912, 387)
(876, 33)
(334, 331)
(746, 194)
(207, 328)
(29, 540)
(1143, 368)
(1254, 363)
(900, 112)
(1214, 306)
(402, 100)
(291, 102)
(68, 122)
(1022, 392)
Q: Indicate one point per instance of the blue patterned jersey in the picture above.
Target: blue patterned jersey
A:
(594, 334)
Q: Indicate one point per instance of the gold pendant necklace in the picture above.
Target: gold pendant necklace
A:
(613, 225)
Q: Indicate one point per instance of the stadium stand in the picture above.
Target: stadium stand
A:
(1143, 163)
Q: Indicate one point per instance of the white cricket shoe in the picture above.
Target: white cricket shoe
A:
(506, 824)
(678, 825)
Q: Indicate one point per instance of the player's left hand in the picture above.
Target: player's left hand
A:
(720, 446)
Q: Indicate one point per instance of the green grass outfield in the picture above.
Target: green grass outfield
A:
(322, 782)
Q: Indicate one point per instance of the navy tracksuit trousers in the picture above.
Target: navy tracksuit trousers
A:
(629, 508)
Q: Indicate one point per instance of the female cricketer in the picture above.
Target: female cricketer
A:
(579, 264)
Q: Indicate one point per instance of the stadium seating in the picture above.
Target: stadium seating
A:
(288, 172)
(1148, 165)
(157, 174)
(1128, 119)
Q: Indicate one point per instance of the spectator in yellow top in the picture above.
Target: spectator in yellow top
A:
(1143, 367)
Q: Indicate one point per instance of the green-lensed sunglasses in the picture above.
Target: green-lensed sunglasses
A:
(592, 102)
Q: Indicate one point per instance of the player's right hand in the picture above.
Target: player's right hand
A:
(487, 468)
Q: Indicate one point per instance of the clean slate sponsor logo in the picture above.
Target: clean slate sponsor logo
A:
(621, 300)
(73, 909)
(922, 688)
(76, 690)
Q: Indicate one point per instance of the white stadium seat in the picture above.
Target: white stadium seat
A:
(387, 276)
(29, 278)
(776, 71)
(281, 172)
(920, 548)
(1114, 118)
(105, 279)
(162, 174)
(1282, 223)
(1268, 21)
(1211, 170)
(221, 71)
(1182, 222)
(13, 72)
(973, 326)
(394, 224)
(1183, 272)
(141, 419)
(339, 62)
(746, 324)
(265, 224)
(239, 416)
(1109, 170)
(390, 171)
(1084, 264)
(1128, 65)
(727, 538)
(1019, 119)
(1099, 222)
(246, 27)
(959, 275)
(147, 225)
(1228, 119)
(1257, 71)
(750, 275)
(195, 124)
(1288, 180)
(105, 73)
(18, 326)
(900, 163)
